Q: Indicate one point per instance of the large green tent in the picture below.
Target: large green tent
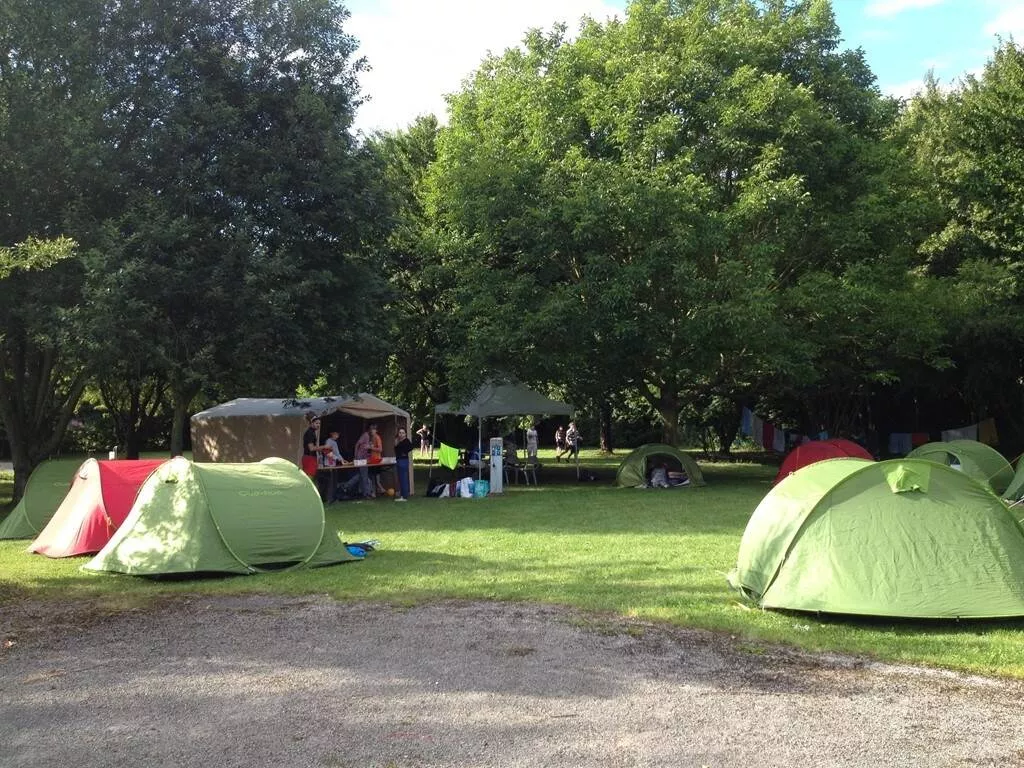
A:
(907, 537)
(47, 486)
(634, 468)
(982, 462)
(230, 518)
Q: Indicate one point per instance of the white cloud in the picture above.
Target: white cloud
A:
(894, 7)
(420, 50)
(905, 90)
(1008, 23)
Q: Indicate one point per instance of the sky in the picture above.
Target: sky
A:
(418, 50)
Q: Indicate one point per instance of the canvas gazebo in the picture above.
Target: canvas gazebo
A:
(222, 518)
(499, 400)
(251, 429)
(907, 538)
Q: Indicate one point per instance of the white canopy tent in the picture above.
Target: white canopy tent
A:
(498, 400)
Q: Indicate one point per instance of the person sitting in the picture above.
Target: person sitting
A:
(511, 453)
(473, 456)
(659, 476)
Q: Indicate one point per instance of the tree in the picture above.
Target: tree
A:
(959, 143)
(230, 255)
(48, 126)
(419, 306)
(642, 198)
(41, 379)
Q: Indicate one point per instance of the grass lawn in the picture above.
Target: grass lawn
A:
(658, 555)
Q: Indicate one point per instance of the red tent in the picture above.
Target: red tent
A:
(100, 498)
(819, 450)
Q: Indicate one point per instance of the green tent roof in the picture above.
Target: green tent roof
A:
(47, 486)
(633, 469)
(982, 462)
(230, 518)
(907, 537)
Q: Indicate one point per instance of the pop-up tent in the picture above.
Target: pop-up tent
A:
(100, 498)
(907, 537)
(227, 518)
(634, 469)
(46, 488)
(251, 429)
(819, 450)
(497, 400)
(982, 462)
(1015, 491)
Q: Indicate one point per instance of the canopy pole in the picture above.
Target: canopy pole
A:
(430, 453)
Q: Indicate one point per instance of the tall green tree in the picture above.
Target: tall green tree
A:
(231, 255)
(419, 307)
(41, 376)
(962, 143)
(49, 122)
(635, 203)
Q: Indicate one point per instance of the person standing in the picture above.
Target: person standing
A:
(559, 442)
(426, 448)
(572, 441)
(531, 444)
(403, 447)
(333, 454)
(362, 454)
(310, 447)
(376, 454)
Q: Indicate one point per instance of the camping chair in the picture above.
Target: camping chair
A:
(512, 466)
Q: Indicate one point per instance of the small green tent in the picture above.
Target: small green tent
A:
(634, 468)
(982, 462)
(230, 518)
(1015, 490)
(47, 486)
(907, 537)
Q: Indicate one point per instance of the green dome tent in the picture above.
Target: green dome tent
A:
(229, 518)
(1015, 491)
(47, 486)
(982, 462)
(634, 468)
(906, 537)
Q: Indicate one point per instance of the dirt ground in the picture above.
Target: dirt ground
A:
(270, 681)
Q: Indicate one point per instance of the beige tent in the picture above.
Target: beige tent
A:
(251, 429)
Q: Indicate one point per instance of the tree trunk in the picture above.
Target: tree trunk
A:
(669, 424)
(131, 431)
(606, 427)
(182, 402)
(727, 427)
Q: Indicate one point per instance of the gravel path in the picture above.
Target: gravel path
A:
(270, 681)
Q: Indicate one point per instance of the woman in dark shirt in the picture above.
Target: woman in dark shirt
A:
(403, 447)
(310, 447)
